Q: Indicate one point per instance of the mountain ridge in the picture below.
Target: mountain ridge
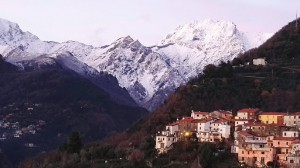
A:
(146, 72)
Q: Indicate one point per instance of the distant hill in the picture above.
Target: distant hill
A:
(228, 86)
(42, 107)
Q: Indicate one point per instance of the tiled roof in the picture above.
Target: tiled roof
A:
(201, 120)
(173, 124)
(249, 110)
(272, 113)
(186, 119)
(244, 133)
(201, 113)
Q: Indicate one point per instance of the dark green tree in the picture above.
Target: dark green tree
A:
(74, 145)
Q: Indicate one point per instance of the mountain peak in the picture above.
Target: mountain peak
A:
(205, 30)
(11, 36)
(126, 39)
(6, 25)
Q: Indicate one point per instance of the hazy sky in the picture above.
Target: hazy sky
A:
(101, 22)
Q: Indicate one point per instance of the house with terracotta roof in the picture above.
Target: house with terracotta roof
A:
(204, 125)
(271, 117)
(212, 130)
(248, 113)
(254, 126)
(253, 150)
(199, 114)
(172, 128)
(221, 114)
(216, 123)
(185, 124)
(238, 123)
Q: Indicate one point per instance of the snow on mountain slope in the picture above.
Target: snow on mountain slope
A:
(140, 70)
(148, 73)
(192, 46)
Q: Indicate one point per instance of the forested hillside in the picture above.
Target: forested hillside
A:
(228, 86)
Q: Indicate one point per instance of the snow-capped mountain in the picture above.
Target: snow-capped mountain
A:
(193, 46)
(148, 73)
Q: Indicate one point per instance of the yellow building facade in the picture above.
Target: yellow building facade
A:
(271, 117)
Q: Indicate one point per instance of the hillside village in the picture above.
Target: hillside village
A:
(257, 138)
(14, 122)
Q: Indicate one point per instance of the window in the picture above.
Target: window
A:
(242, 158)
(242, 152)
(291, 161)
(278, 143)
(262, 160)
(168, 139)
(287, 143)
(284, 134)
(262, 152)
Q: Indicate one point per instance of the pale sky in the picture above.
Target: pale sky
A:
(100, 22)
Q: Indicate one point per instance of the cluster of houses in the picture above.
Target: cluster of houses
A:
(200, 126)
(13, 123)
(257, 137)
